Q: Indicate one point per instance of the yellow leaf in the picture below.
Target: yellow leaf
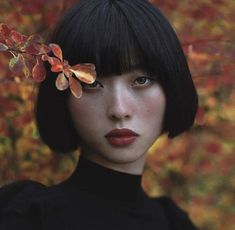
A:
(84, 72)
(61, 82)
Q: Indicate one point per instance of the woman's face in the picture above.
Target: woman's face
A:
(111, 105)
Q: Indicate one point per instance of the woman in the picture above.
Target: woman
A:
(143, 89)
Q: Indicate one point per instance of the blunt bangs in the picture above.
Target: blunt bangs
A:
(100, 32)
(118, 36)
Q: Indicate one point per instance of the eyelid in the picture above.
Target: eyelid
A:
(150, 80)
(87, 86)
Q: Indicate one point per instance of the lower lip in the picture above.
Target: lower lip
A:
(121, 141)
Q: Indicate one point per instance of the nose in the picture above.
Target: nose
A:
(119, 105)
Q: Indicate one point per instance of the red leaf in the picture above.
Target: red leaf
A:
(39, 72)
(10, 42)
(213, 147)
(33, 39)
(4, 32)
(17, 37)
(29, 46)
(43, 49)
(31, 50)
(56, 50)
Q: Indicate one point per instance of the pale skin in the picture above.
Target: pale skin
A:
(131, 100)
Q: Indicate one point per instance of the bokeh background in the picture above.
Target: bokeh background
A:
(197, 169)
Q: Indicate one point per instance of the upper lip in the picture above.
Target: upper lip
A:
(121, 133)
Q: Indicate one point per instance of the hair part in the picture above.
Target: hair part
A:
(117, 36)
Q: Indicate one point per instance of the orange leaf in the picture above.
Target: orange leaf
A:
(56, 50)
(61, 82)
(39, 72)
(56, 65)
(56, 68)
(84, 72)
(75, 87)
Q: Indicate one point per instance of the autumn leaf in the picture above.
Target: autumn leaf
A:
(75, 87)
(17, 37)
(31, 45)
(62, 82)
(56, 65)
(3, 47)
(38, 71)
(18, 66)
(42, 48)
(84, 72)
(56, 51)
(209, 179)
(4, 32)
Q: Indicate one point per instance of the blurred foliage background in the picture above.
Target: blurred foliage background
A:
(197, 168)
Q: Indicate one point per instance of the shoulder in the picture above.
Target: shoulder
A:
(177, 218)
(16, 204)
(29, 205)
(18, 192)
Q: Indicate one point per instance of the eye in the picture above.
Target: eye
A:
(143, 81)
(95, 85)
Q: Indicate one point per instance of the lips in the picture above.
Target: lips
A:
(121, 137)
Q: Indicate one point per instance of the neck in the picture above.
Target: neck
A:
(106, 183)
(135, 167)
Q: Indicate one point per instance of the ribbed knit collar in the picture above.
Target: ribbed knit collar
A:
(115, 186)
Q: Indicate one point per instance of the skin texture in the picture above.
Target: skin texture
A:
(131, 100)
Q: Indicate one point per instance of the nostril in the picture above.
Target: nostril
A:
(119, 116)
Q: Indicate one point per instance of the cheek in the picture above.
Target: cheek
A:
(83, 113)
(153, 107)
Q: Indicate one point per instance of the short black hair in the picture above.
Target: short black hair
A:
(117, 36)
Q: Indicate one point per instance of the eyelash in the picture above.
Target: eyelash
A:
(150, 80)
(96, 83)
(88, 86)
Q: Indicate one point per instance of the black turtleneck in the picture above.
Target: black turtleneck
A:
(107, 184)
(93, 198)
(108, 199)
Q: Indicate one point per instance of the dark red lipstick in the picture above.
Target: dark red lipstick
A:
(121, 137)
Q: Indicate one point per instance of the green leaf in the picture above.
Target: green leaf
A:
(18, 66)
(3, 47)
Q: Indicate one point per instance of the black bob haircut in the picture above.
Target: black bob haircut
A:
(117, 36)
